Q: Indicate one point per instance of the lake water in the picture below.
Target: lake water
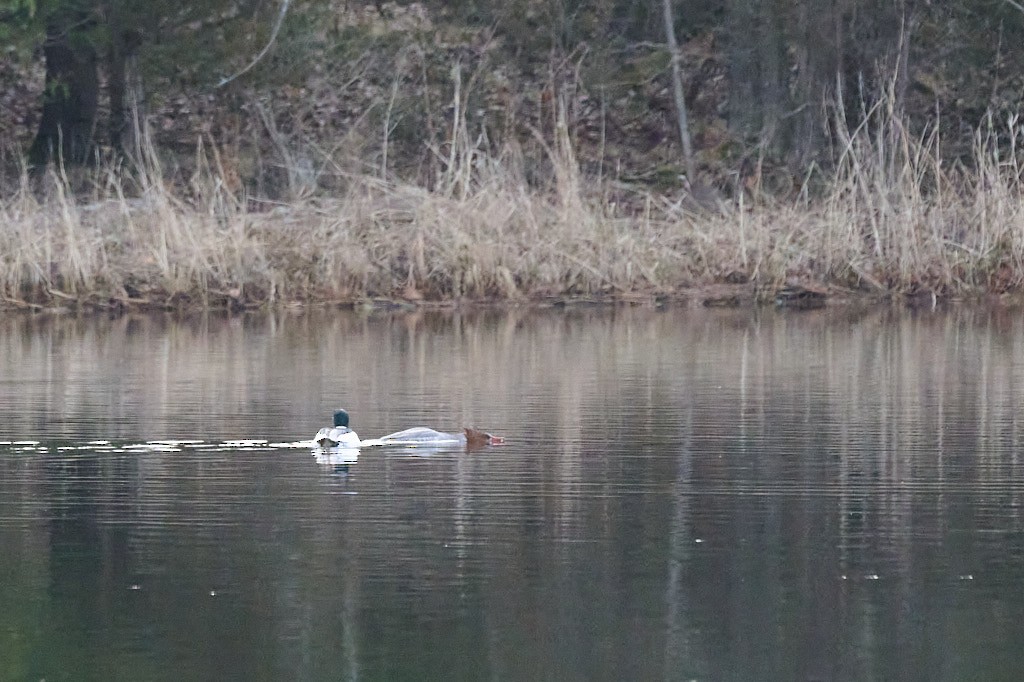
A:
(830, 495)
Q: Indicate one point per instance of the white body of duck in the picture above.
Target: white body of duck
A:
(421, 436)
(329, 437)
(339, 435)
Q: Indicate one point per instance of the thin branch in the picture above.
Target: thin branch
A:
(1014, 4)
(266, 48)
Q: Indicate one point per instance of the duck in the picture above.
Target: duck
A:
(338, 435)
(421, 436)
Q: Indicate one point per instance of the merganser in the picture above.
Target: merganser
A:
(339, 434)
(421, 436)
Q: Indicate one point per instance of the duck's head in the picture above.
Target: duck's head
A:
(478, 439)
(341, 418)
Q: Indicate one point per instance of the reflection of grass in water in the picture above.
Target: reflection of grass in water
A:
(677, 398)
(877, 396)
(524, 374)
(895, 217)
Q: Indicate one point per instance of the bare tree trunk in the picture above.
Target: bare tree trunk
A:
(116, 83)
(71, 97)
(677, 92)
(908, 25)
(135, 106)
(758, 74)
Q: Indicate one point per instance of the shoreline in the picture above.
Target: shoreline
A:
(710, 296)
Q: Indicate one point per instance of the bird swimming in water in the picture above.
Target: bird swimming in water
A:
(338, 435)
(421, 436)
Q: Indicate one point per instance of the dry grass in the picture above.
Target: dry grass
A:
(897, 218)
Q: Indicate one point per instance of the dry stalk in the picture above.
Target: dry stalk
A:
(896, 218)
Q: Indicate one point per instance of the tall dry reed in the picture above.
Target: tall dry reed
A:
(896, 217)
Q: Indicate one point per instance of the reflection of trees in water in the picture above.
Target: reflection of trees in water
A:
(798, 448)
(894, 434)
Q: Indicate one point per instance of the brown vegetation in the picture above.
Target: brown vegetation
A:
(419, 153)
(896, 218)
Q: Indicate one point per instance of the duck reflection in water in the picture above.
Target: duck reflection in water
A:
(336, 460)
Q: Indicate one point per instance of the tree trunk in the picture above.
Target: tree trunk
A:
(758, 73)
(677, 90)
(116, 84)
(122, 74)
(70, 98)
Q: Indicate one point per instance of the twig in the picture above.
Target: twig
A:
(18, 303)
(56, 293)
(266, 48)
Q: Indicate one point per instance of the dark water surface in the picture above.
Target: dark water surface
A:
(684, 495)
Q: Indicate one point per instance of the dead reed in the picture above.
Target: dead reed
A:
(896, 218)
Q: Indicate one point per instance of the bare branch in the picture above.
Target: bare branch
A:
(266, 48)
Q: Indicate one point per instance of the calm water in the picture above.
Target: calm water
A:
(684, 495)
